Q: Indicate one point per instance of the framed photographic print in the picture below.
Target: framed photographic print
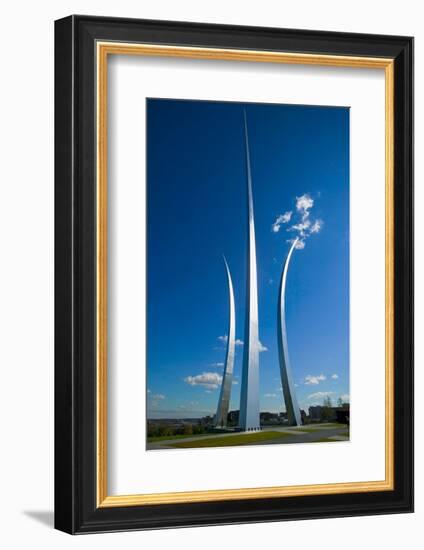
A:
(234, 272)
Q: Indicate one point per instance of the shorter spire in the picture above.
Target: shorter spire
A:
(227, 378)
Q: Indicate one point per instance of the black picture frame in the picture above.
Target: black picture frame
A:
(76, 510)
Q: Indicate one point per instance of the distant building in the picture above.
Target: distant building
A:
(233, 418)
(207, 420)
(319, 413)
(270, 418)
(315, 413)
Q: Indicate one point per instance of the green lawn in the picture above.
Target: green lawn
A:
(231, 440)
(310, 428)
(179, 436)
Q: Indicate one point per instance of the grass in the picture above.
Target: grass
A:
(331, 425)
(153, 439)
(231, 440)
(318, 427)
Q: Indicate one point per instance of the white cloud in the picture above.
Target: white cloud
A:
(224, 339)
(262, 347)
(311, 380)
(301, 227)
(304, 226)
(316, 226)
(300, 245)
(190, 407)
(209, 380)
(219, 365)
(345, 398)
(282, 218)
(270, 395)
(154, 399)
(159, 396)
(334, 376)
(320, 394)
(303, 204)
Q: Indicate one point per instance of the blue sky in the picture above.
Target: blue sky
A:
(197, 211)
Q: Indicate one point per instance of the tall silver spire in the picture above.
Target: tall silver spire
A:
(227, 379)
(249, 399)
(292, 406)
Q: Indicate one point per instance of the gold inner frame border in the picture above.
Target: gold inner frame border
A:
(103, 50)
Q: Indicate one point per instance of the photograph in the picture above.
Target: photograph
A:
(247, 322)
(233, 267)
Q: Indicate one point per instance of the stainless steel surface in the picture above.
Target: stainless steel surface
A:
(290, 399)
(249, 398)
(227, 379)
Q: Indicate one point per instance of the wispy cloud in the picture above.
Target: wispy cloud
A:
(224, 340)
(300, 245)
(209, 380)
(190, 406)
(311, 380)
(193, 409)
(301, 228)
(262, 347)
(270, 395)
(218, 365)
(282, 218)
(334, 376)
(316, 226)
(320, 394)
(303, 204)
(154, 399)
(345, 398)
(304, 226)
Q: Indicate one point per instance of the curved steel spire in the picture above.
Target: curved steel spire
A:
(292, 406)
(249, 398)
(227, 379)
